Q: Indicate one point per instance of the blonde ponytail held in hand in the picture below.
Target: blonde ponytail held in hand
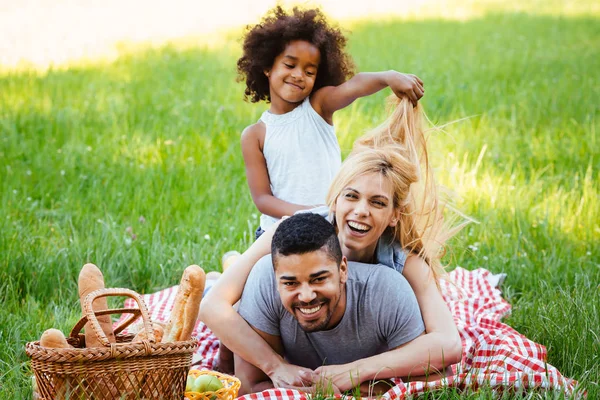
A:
(397, 150)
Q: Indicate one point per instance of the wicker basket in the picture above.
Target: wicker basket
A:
(118, 371)
(229, 391)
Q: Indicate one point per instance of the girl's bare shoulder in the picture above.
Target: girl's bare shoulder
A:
(317, 99)
(254, 135)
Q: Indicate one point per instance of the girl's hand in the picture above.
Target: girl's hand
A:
(406, 85)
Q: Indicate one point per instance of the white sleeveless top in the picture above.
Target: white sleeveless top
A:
(302, 154)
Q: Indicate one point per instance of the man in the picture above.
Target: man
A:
(316, 309)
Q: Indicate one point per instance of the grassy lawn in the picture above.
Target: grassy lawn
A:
(135, 165)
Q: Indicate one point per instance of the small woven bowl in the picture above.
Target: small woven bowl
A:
(229, 391)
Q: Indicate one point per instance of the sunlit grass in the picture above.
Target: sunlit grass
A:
(67, 34)
(135, 165)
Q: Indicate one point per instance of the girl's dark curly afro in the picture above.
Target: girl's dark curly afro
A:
(265, 41)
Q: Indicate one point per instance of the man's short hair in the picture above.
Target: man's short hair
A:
(305, 233)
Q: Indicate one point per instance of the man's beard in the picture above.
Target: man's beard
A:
(317, 325)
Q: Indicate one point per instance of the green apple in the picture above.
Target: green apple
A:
(206, 383)
(189, 383)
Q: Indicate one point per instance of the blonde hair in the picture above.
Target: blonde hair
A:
(397, 149)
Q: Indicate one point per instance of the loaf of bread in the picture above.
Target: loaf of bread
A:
(55, 339)
(90, 279)
(158, 330)
(187, 305)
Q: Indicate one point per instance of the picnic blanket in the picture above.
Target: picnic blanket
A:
(494, 354)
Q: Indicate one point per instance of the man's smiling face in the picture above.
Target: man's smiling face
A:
(312, 288)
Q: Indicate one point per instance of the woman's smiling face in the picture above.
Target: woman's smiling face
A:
(363, 210)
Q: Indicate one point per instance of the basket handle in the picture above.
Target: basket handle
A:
(90, 315)
(134, 311)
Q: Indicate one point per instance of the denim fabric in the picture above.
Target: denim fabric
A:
(258, 233)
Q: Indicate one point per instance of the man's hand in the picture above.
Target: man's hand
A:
(292, 376)
(344, 376)
(406, 85)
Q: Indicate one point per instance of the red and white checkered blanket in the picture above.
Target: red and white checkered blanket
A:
(494, 354)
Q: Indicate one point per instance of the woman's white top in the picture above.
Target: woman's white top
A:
(302, 154)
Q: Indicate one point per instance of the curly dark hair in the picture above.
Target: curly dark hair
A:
(304, 233)
(263, 42)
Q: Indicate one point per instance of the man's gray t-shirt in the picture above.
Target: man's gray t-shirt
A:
(381, 314)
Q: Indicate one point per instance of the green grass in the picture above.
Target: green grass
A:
(148, 145)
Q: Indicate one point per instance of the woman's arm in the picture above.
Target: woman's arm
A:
(253, 379)
(391, 364)
(217, 312)
(329, 99)
(442, 341)
(427, 355)
(258, 176)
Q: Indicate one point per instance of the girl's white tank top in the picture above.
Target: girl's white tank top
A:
(302, 154)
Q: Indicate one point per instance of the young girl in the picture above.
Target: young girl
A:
(296, 61)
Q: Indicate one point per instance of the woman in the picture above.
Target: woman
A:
(386, 210)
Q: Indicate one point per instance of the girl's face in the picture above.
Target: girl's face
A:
(292, 76)
(363, 210)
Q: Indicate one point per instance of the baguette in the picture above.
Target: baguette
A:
(90, 279)
(54, 339)
(186, 306)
